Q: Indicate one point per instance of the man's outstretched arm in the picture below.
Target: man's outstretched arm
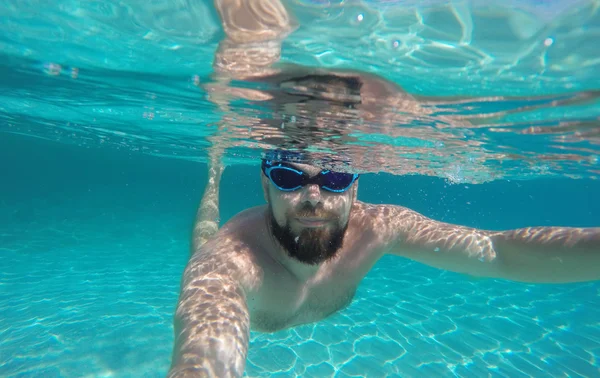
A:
(549, 254)
(207, 216)
(254, 30)
(535, 254)
(212, 322)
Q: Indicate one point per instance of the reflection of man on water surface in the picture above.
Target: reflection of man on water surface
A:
(300, 258)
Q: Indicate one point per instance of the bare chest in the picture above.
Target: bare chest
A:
(284, 300)
(288, 304)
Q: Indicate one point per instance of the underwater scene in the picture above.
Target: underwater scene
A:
(481, 114)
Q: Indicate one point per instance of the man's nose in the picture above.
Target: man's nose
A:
(312, 194)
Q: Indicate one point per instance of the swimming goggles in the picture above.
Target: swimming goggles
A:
(288, 179)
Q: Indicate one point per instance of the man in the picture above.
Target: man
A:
(300, 258)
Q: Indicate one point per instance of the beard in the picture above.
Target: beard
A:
(313, 245)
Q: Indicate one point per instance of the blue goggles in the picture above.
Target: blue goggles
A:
(288, 179)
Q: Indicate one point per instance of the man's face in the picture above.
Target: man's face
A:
(310, 222)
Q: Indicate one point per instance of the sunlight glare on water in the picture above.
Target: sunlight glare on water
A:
(494, 91)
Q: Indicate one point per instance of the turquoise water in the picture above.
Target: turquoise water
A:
(93, 251)
(103, 140)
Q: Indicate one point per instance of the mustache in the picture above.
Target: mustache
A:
(307, 210)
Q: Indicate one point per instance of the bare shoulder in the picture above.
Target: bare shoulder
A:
(230, 254)
(380, 214)
(384, 220)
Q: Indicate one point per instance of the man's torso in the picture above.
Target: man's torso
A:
(280, 299)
